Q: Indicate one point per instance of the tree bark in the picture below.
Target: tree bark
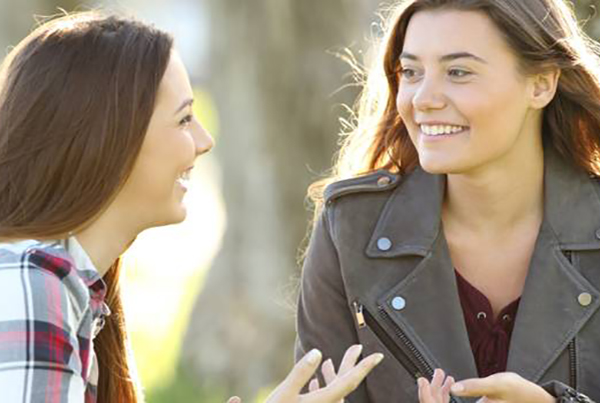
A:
(275, 83)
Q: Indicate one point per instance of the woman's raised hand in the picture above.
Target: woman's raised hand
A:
(339, 385)
(504, 387)
(438, 391)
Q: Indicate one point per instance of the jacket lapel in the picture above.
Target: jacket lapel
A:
(432, 316)
(550, 312)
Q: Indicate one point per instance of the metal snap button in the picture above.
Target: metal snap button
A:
(584, 299)
(383, 181)
(384, 244)
(481, 315)
(398, 303)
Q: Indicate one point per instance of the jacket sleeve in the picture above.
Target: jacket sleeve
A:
(564, 393)
(39, 353)
(324, 319)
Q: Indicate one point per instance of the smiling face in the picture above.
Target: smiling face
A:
(153, 194)
(462, 97)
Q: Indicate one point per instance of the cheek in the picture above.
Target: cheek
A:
(492, 106)
(404, 104)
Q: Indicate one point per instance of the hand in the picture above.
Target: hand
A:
(505, 387)
(349, 376)
(438, 391)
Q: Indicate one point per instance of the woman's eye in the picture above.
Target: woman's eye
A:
(407, 73)
(459, 73)
(186, 120)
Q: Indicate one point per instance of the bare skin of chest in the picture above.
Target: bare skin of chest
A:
(496, 265)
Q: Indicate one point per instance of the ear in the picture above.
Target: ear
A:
(544, 86)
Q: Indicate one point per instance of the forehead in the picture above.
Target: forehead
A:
(175, 83)
(439, 32)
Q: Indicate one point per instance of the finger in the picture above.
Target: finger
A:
(234, 399)
(350, 358)
(313, 386)
(438, 379)
(302, 372)
(424, 391)
(328, 371)
(345, 384)
(489, 386)
(446, 388)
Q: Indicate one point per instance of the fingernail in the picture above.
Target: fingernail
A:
(313, 357)
(378, 358)
(359, 348)
(420, 382)
(457, 388)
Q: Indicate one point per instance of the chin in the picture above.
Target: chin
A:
(175, 216)
(179, 215)
(436, 164)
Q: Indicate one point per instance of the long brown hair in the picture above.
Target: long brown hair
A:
(76, 100)
(543, 33)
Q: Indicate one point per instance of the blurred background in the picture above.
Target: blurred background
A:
(212, 313)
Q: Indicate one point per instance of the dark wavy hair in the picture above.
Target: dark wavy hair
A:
(76, 100)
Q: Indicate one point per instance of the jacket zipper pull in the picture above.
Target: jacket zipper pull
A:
(360, 318)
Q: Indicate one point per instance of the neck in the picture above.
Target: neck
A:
(105, 240)
(497, 199)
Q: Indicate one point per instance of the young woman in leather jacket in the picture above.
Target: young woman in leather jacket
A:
(461, 233)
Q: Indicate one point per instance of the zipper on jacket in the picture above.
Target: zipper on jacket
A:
(572, 347)
(406, 353)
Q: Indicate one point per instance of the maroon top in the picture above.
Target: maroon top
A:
(489, 337)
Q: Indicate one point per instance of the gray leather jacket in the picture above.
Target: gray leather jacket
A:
(378, 272)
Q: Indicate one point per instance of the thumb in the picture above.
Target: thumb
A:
(303, 371)
(476, 387)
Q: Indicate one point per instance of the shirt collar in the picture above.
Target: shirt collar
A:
(85, 267)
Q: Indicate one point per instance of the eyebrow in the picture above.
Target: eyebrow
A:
(447, 58)
(185, 104)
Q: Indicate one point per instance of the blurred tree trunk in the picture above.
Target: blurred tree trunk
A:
(276, 85)
(589, 10)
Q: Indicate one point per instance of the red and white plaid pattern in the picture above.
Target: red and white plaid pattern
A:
(51, 305)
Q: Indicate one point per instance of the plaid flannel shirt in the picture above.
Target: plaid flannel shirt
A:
(51, 308)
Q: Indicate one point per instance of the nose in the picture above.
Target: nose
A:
(428, 96)
(202, 140)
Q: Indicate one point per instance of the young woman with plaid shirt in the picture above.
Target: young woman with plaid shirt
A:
(97, 139)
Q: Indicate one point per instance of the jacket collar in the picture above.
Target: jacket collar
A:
(572, 204)
(411, 217)
(432, 317)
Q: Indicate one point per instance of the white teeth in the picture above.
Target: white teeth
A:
(183, 183)
(436, 130)
(184, 179)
